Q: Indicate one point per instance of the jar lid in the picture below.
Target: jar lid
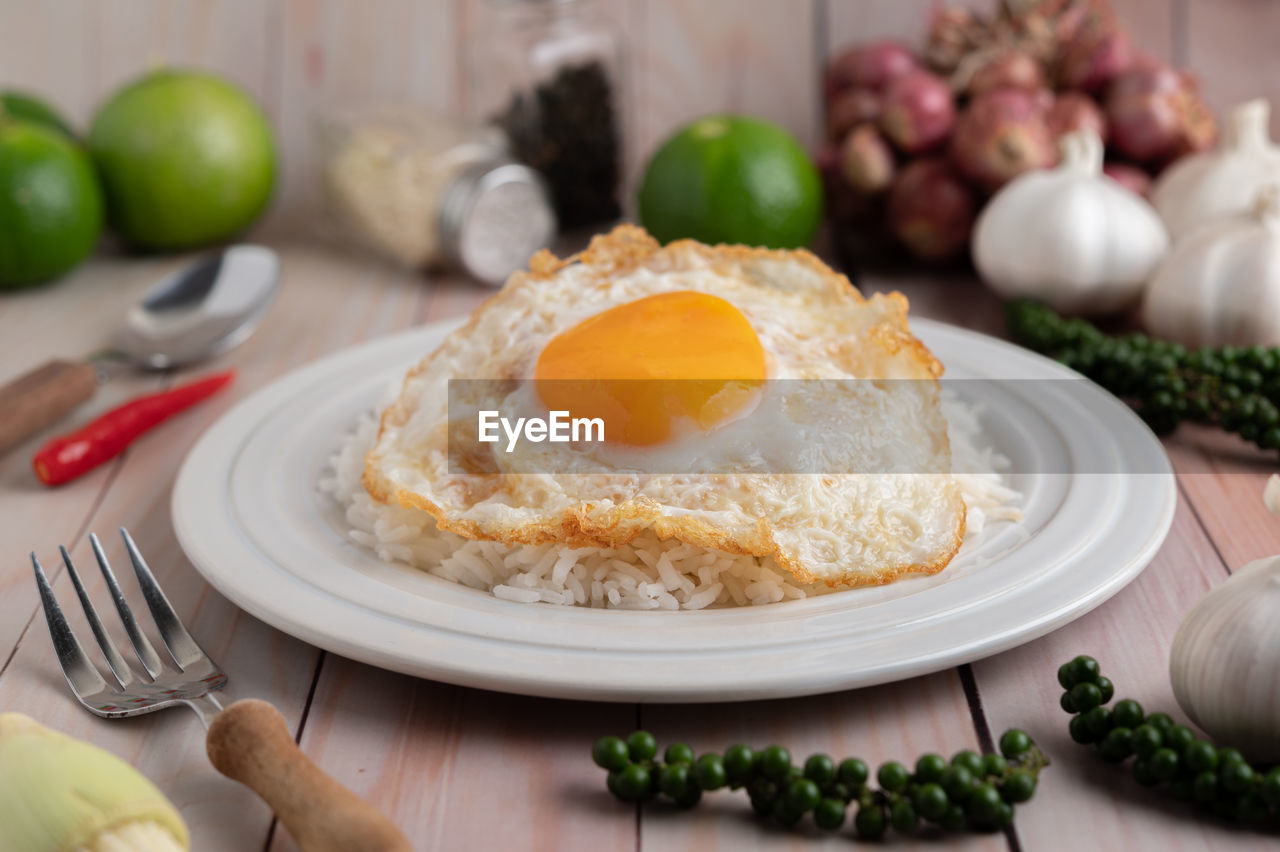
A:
(494, 216)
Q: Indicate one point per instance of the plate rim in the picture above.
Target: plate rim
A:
(196, 545)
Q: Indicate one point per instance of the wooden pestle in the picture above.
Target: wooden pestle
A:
(250, 743)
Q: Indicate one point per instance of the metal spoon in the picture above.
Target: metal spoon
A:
(201, 310)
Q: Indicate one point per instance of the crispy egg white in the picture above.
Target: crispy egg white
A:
(780, 315)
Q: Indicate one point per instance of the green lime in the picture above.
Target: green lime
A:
(26, 107)
(730, 179)
(50, 204)
(186, 158)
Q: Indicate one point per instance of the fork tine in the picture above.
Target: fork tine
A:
(184, 650)
(81, 676)
(123, 674)
(141, 644)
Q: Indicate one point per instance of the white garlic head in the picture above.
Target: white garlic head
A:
(1225, 662)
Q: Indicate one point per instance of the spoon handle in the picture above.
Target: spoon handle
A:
(41, 397)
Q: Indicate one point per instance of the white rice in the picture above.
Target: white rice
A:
(647, 574)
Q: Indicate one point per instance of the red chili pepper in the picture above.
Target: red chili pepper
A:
(64, 458)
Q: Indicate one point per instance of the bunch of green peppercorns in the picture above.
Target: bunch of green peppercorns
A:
(1236, 389)
(1193, 769)
(971, 791)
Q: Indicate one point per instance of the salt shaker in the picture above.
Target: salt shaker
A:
(431, 191)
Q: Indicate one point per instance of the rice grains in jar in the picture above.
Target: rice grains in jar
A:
(549, 74)
(429, 191)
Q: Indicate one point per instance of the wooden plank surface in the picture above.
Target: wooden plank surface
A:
(464, 768)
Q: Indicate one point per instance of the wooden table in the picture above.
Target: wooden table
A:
(463, 769)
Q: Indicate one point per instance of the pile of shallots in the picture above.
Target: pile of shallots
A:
(919, 141)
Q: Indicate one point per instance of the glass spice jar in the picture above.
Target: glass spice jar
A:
(549, 74)
(430, 191)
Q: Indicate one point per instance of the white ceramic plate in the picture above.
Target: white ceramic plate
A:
(249, 515)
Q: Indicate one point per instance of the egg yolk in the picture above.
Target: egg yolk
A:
(650, 367)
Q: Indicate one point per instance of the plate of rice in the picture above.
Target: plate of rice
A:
(1068, 496)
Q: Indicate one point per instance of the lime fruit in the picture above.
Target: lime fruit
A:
(186, 159)
(50, 205)
(731, 179)
(25, 107)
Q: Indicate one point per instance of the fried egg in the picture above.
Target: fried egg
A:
(707, 438)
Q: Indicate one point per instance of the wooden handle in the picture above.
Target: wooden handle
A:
(42, 397)
(250, 743)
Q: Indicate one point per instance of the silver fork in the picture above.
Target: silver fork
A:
(197, 678)
(248, 741)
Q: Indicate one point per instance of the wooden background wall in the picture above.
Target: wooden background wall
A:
(685, 58)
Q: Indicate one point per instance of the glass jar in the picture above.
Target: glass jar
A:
(549, 74)
(430, 191)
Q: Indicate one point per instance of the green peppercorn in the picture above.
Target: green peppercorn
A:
(1164, 763)
(803, 795)
(1236, 777)
(610, 753)
(1085, 669)
(678, 753)
(1098, 720)
(1143, 774)
(631, 783)
(775, 762)
(983, 803)
(1205, 786)
(1086, 696)
(853, 773)
(1269, 789)
(820, 769)
(1079, 730)
(1127, 713)
(642, 745)
(970, 760)
(893, 776)
(738, 762)
(1145, 740)
(690, 798)
(785, 812)
(953, 819)
(709, 772)
(1200, 756)
(994, 765)
(673, 779)
(1229, 755)
(1014, 743)
(930, 767)
(903, 817)
(869, 821)
(931, 801)
(829, 814)
(1117, 745)
(1179, 737)
(958, 782)
(1020, 786)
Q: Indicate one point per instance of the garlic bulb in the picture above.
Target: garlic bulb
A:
(1225, 662)
(1222, 182)
(1221, 285)
(1069, 236)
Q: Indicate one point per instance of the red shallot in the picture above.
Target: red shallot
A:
(919, 112)
(931, 210)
